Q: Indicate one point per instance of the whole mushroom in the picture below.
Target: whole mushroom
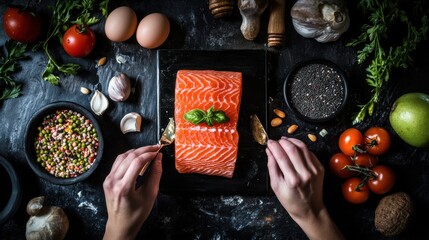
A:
(46, 222)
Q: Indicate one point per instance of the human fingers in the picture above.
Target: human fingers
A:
(135, 167)
(306, 158)
(294, 154)
(151, 186)
(282, 159)
(276, 175)
(119, 159)
(125, 164)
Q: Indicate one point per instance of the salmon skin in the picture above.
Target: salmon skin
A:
(200, 148)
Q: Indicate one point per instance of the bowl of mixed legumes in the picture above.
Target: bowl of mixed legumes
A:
(63, 143)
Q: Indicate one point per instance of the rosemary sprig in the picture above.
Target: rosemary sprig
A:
(14, 51)
(383, 15)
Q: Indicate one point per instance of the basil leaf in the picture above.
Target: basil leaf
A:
(195, 116)
(220, 116)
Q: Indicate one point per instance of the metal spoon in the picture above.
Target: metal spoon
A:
(258, 131)
(167, 138)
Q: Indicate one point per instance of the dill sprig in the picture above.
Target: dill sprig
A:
(383, 16)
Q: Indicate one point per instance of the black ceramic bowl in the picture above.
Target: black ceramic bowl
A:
(31, 132)
(316, 90)
(10, 198)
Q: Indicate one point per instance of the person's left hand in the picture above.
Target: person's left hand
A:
(127, 206)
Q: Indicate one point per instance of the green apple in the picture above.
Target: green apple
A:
(409, 117)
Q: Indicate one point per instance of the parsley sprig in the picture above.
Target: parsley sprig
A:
(9, 64)
(383, 17)
(64, 14)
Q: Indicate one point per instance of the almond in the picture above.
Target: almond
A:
(312, 137)
(292, 128)
(279, 113)
(276, 122)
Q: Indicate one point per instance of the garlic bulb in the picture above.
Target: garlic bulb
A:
(131, 123)
(99, 103)
(323, 20)
(119, 88)
(49, 222)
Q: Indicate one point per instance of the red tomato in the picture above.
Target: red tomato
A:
(365, 160)
(78, 41)
(349, 139)
(22, 25)
(352, 193)
(384, 181)
(377, 140)
(338, 163)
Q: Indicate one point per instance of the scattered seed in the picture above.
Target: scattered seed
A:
(276, 122)
(292, 128)
(312, 137)
(101, 61)
(279, 113)
(85, 90)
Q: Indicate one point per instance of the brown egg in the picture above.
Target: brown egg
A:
(121, 24)
(153, 30)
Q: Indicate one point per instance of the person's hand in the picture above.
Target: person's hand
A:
(296, 177)
(127, 206)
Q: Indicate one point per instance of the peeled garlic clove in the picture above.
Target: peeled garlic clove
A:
(131, 123)
(119, 88)
(99, 103)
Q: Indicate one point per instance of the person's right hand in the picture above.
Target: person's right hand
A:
(127, 206)
(296, 177)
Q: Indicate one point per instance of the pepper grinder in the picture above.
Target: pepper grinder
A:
(276, 24)
(221, 8)
(251, 11)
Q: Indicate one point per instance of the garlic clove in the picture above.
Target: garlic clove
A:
(99, 103)
(119, 88)
(85, 90)
(131, 123)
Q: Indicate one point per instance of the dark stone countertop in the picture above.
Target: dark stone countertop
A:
(207, 216)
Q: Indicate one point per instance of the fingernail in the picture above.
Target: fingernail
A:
(269, 141)
(284, 138)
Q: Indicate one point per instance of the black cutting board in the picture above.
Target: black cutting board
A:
(250, 175)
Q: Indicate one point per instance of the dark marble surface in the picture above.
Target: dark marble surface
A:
(207, 216)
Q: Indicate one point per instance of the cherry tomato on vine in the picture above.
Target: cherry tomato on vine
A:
(377, 140)
(338, 163)
(365, 160)
(78, 41)
(354, 192)
(349, 139)
(22, 25)
(384, 181)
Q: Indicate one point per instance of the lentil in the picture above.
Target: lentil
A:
(62, 148)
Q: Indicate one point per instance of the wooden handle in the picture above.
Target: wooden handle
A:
(276, 24)
(221, 8)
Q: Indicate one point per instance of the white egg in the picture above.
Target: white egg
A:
(153, 30)
(121, 24)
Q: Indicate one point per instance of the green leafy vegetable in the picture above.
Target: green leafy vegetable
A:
(384, 16)
(64, 14)
(197, 116)
(14, 51)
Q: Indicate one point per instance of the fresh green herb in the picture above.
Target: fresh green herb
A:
(197, 116)
(64, 14)
(9, 65)
(384, 16)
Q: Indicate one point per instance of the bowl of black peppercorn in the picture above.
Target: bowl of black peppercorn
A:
(316, 90)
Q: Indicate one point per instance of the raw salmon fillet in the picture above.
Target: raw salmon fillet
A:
(200, 148)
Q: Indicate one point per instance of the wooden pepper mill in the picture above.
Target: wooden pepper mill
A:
(221, 8)
(251, 11)
(276, 24)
